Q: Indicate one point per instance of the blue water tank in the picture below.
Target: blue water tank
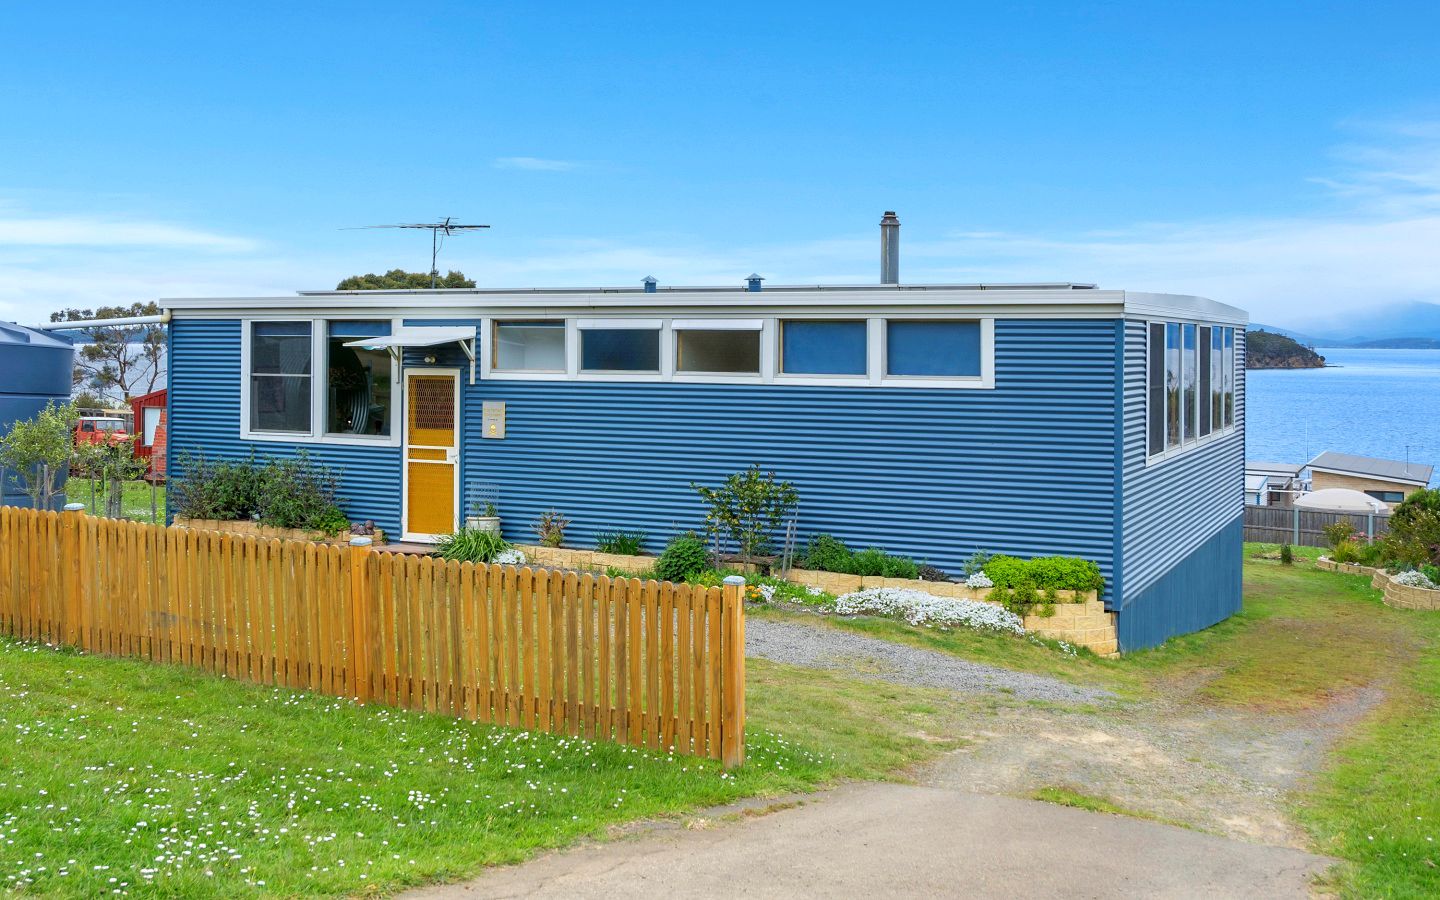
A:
(35, 369)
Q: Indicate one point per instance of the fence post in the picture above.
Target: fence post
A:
(1296, 541)
(732, 710)
(70, 570)
(359, 602)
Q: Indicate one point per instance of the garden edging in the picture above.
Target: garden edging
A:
(268, 532)
(1404, 596)
(1082, 622)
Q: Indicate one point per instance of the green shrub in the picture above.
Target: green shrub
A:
(1345, 552)
(214, 490)
(295, 492)
(874, 561)
(826, 553)
(1338, 532)
(1063, 573)
(621, 543)
(683, 557)
(332, 522)
(928, 572)
(1431, 572)
(747, 509)
(1372, 553)
(1287, 555)
(1414, 538)
(471, 545)
(976, 563)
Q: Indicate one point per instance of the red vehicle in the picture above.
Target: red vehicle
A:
(100, 429)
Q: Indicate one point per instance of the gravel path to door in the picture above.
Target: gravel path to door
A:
(857, 654)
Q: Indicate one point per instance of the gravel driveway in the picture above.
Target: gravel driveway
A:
(820, 647)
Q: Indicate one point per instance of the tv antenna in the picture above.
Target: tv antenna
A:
(436, 229)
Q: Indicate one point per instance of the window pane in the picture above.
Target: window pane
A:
(823, 348)
(1205, 365)
(717, 351)
(620, 350)
(1191, 383)
(357, 386)
(1229, 377)
(943, 349)
(1172, 384)
(280, 403)
(1156, 409)
(530, 346)
(280, 348)
(1217, 378)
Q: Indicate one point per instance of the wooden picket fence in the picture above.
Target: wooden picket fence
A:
(647, 663)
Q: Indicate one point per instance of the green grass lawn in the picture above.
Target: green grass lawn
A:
(156, 780)
(134, 505)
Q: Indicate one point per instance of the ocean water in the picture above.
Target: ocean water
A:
(1382, 403)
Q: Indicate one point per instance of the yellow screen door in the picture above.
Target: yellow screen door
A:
(432, 454)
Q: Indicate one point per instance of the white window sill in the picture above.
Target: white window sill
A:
(344, 440)
(1187, 449)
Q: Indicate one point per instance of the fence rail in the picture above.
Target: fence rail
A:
(1304, 528)
(618, 659)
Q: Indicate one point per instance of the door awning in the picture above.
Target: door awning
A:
(402, 338)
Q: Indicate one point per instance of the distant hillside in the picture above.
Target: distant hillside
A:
(1414, 325)
(1267, 350)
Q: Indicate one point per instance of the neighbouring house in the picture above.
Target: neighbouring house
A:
(34, 370)
(1272, 483)
(929, 420)
(1387, 480)
(148, 410)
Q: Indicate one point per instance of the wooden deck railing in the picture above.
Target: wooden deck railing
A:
(652, 664)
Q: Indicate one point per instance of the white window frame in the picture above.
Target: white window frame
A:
(770, 336)
(319, 373)
(1217, 434)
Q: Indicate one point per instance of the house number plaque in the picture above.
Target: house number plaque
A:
(492, 419)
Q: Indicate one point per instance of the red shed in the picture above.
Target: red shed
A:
(149, 410)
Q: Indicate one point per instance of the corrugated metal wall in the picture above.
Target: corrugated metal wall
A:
(1202, 588)
(1026, 468)
(204, 416)
(1175, 512)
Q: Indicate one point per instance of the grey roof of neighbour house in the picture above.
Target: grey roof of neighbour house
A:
(1262, 467)
(1254, 483)
(1370, 467)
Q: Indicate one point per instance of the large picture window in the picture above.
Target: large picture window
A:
(1190, 384)
(357, 381)
(932, 349)
(280, 376)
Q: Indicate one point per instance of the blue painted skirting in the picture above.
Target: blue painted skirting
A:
(1202, 589)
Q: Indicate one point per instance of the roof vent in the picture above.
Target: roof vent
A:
(649, 283)
(889, 248)
(752, 283)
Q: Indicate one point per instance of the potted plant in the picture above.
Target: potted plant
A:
(483, 517)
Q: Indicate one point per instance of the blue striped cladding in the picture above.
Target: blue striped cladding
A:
(204, 417)
(1203, 588)
(1027, 468)
(1173, 509)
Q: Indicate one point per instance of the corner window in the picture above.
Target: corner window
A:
(529, 346)
(280, 375)
(1190, 383)
(1387, 496)
(727, 351)
(620, 350)
(932, 349)
(823, 348)
(357, 381)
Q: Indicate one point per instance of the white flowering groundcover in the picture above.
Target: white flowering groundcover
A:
(920, 608)
(1414, 579)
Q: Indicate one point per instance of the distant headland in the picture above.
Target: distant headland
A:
(1267, 350)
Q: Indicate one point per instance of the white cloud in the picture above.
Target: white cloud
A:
(87, 231)
(536, 164)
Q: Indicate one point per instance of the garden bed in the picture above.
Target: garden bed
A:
(1080, 618)
(270, 532)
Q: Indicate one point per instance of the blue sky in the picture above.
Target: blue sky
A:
(1281, 156)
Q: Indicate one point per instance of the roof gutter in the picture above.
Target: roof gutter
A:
(162, 319)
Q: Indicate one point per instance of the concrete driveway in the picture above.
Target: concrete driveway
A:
(891, 840)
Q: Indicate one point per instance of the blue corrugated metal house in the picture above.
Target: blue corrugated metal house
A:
(930, 420)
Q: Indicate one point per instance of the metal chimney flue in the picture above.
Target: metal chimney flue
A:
(889, 248)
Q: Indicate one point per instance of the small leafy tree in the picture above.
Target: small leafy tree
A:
(1414, 538)
(110, 464)
(747, 509)
(38, 449)
(118, 361)
(399, 279)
